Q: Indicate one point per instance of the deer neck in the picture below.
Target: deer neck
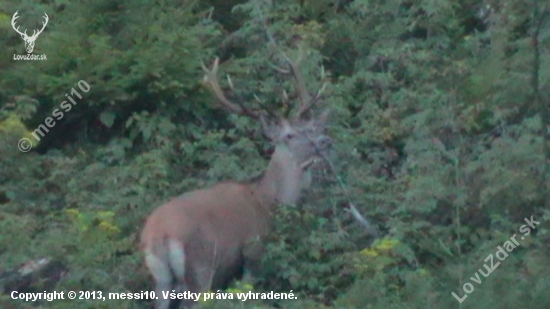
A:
(283, 180)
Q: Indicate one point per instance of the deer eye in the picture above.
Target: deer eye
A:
(289, 136)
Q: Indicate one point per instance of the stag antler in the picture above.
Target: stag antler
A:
(13, 24)
(44, 23)
(24, 34)
(210, 77)
(307, 102)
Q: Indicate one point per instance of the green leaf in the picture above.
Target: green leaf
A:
(107, 118)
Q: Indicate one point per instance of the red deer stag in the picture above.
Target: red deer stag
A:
(197, 241)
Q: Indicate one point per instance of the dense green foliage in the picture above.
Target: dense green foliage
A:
(440, 119)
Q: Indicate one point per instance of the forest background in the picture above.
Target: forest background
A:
(440, 122)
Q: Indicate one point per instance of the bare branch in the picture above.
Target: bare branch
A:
(364, 222)
(371, 230)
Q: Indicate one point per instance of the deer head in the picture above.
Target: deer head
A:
(300, 138)
(29, 40)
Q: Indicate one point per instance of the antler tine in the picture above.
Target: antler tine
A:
(13, 22)
(307, 102)
(210, 77)
(267, 110)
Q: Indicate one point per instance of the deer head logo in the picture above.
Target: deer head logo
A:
(29, 40)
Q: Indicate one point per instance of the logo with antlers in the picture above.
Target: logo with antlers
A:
(29, 40)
